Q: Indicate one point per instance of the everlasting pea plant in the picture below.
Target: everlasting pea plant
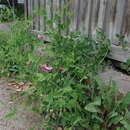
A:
(71, 93)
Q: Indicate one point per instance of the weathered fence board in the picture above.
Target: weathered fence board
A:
(113, 16)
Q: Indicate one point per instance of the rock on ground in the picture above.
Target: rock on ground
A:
(122, 80)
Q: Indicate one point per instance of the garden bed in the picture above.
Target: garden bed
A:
(67, 87)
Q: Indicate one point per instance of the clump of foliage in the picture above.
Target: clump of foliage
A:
(6, 14)
(16, 48)
(126, 66)
(70, 93)
(122, 41)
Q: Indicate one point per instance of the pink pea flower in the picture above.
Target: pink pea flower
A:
(61, 68)
(45, 68)
(29, 63)
(41, 37)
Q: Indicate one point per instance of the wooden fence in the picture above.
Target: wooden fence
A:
(113, 16)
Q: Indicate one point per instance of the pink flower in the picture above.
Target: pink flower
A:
(41, 37)
(29, 63)
(45, 68)
(61, 68)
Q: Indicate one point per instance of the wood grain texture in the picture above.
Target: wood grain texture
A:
(119, 54)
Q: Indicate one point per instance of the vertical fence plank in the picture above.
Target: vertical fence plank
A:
(51, 9)
(41, 15)
(64, 12)
(33, 16)
(87, 22)
(60, 13)
(44, 17)
(101, 18)
(78, 14)
(119, 18)
(75, 18)
(128, 22)
(113, 4)
(29, 7)
(69, 17)
(38, 16)
(85, 9)
(94, 15)
(81, 15)
(26, 7)
(107, 18)
(126, 26)
(55, 13)
(72, 7)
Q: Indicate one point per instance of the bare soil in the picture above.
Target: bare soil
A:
(24, 119)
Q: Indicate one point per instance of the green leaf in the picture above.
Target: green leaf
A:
(70, 128)
(97, 101)
(48, 128)
(126, 124)
(67, 89)
(125, 101)
(112, 114)
(98, 80)
(115, 120)
(40, 77)
(98, 118)
(10, 115)
(76, 121)
(119, 128)
(92, 108)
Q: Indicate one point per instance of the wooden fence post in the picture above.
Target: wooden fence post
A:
(26, 8)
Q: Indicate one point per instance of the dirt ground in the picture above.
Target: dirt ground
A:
(24, 119)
